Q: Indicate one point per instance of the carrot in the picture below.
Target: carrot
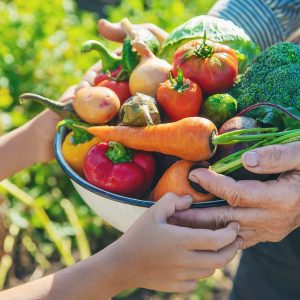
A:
(189, 138)
(175, 180)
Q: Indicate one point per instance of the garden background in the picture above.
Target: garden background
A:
(46, 225)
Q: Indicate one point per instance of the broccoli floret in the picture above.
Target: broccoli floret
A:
(274, 76)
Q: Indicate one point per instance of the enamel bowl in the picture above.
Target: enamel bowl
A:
(119, 211)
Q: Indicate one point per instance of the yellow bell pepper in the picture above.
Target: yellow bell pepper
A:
(75, 154)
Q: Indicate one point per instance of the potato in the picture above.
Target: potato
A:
(96, 105)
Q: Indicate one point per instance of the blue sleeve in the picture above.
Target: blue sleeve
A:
(267, 22)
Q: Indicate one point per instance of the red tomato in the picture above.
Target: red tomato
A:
(121, 88)
(101, 76)
(179, 98)
(213, 66)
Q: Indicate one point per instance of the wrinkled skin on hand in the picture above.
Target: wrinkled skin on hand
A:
(266, 211)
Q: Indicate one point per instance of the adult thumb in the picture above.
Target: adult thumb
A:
(273, 159)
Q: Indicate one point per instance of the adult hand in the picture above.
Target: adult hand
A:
(160, 256)
(266, 211)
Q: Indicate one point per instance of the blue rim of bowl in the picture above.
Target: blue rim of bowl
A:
(115, 197)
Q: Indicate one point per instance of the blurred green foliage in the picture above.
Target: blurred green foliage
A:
(167, 14)
(40, 52)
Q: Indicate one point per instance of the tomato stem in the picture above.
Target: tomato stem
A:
(204, 50)
(178, 82)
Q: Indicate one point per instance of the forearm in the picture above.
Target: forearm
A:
(100, 277)
(266, 22)
(18, 150)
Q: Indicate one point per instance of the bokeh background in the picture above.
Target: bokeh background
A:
(45, 226)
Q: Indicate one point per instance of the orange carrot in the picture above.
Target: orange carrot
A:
(189, 138)
(175, 180)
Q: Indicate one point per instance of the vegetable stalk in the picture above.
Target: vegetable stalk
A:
(110, 61)
(64, 110)
(238, 136)
(233, 162)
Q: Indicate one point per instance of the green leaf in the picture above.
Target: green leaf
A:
(276, 118)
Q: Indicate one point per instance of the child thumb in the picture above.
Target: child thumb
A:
(169, 204)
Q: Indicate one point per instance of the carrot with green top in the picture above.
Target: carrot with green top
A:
(189, 138)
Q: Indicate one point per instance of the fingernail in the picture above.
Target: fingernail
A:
(187, 197)
(251, 159)
(234, 225)
(193, 178)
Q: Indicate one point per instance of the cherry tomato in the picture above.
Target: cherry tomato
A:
(179, 98)
(121, 88)
(213, 66)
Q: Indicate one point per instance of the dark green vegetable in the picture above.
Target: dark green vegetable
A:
(139, 110)
(219, 108)
(273, 77)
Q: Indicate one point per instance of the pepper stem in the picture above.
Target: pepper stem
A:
(109, 61)
(80, 135)
(117, 153)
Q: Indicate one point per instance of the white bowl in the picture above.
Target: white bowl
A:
(119, 211)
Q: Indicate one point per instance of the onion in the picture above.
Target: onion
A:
(149, 73)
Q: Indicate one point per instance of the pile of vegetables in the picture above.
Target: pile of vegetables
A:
(147, 122)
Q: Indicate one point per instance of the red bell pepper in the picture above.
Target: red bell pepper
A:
(114, 168)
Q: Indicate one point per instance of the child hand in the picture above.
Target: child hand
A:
(43, 129)
(160, 256)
